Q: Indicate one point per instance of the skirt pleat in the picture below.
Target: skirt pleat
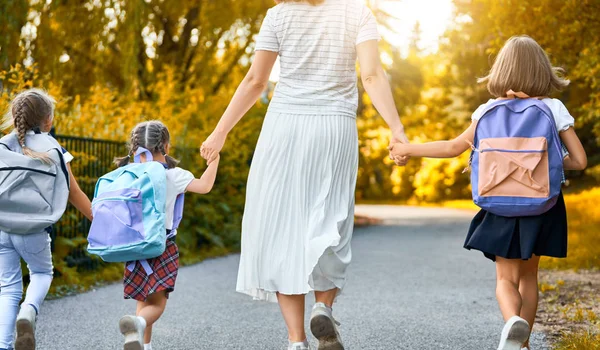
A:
(299, 212)
(520, 237)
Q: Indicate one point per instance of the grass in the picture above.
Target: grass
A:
(583, 340)
(583, 214)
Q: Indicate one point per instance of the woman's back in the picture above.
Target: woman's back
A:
(317, 49)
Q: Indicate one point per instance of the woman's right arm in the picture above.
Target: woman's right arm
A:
(245, 97)
(377, 86)
(577, 159)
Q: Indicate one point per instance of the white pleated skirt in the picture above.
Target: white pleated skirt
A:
(299, 211)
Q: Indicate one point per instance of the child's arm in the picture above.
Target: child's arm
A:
(205, 183)
(437, 149)
(577, 159)
(79, 199)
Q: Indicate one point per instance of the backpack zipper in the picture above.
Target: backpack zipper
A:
(511, 150)
(11, 168)
(125, 199)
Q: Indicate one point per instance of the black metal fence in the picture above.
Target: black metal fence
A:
(94, 158)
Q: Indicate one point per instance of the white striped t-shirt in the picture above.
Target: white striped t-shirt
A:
(317, 50)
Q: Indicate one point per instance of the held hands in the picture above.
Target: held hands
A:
(214, 161)
(211, 148)
(397, 151)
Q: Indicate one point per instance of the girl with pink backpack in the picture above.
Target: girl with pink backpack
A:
(517, 170)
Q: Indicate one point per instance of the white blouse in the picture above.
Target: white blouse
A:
(317, 50)
(561, 115)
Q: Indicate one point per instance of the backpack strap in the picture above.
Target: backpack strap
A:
(510, 94)
(10, 141)
(144, 264)
(139, 152)
(178, 212)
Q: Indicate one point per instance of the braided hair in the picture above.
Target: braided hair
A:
(152, 135)
(30, 109)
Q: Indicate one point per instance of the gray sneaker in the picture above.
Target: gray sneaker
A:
(324, 327)
(26, 328)
(133, 330)
(299, 346)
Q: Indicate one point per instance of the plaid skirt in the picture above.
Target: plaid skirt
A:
(139, 285)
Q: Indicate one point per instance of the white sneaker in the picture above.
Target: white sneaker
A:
(514, 334)
(26, 328)
(132, 328)
(299, 346)
(324, 327)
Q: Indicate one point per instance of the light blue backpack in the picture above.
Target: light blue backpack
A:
(129, 212)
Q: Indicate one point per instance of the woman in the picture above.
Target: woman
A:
(299, 211)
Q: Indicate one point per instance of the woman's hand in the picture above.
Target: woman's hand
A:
(211, 148)
(398, 150)
(398, 138)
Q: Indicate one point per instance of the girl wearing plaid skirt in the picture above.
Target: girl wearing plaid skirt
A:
(151, 290)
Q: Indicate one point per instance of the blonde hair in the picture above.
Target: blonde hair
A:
(29, 110)
(523, 66)
(312, 2)
(152, 135)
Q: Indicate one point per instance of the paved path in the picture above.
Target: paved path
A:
(411, 286)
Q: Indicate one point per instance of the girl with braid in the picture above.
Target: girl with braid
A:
(31, 114)
(152, 290)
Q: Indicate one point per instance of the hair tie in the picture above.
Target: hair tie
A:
(23, 145)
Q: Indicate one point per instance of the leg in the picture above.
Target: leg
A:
(528, 288)
(35, 250)
(11, 290)
(151, 310)
(516, 330)
(292, 309)
(326, 297)
(507, 287)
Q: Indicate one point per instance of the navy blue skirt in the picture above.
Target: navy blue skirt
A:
(520, 237)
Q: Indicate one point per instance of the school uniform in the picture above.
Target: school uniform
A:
(138, 283)
(523, 237)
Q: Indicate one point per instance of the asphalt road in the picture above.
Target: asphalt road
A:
(411, 285)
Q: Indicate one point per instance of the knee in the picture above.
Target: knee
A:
(512, 279)
(13, 291)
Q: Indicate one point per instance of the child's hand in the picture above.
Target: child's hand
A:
(398, 150)
(214, 160)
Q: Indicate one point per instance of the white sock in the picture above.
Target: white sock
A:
(143, 322)
(148, 346)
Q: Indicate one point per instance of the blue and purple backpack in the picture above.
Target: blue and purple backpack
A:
(129, 212)
(517, 161)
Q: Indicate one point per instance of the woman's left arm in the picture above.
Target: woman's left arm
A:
(244, 98)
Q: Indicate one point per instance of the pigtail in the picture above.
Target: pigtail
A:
(171, 162)
(133, 146)
(122, 161)
(19, 115)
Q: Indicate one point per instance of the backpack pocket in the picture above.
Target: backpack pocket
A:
(514, 167)
(118, 219)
